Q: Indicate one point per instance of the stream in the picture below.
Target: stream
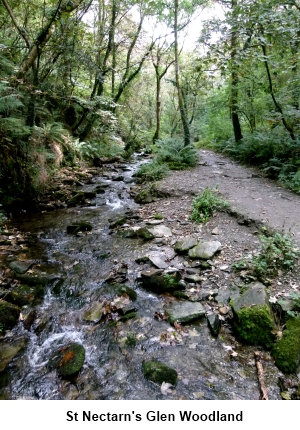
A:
(112, 369)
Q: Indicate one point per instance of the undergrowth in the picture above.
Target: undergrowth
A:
(152, 171)
(277, 253)
(169, 154)
(206, 204)
(273, 151)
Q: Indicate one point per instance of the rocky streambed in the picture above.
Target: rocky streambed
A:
(107, 299)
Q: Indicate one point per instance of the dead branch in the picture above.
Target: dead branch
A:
(261, 377)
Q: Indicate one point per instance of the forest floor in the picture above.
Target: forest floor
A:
(255, 202)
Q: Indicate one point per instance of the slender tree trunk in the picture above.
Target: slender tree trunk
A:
(183, 114)
(276, 104)
(45, 35)
(234, 78)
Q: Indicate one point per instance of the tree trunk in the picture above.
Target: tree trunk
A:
(45, 35)
(234, 78)
(183, 114)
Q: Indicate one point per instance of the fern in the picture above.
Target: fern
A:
(176, 154)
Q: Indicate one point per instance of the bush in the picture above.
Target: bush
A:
(206, 204)
(152, 171)
(175, 154)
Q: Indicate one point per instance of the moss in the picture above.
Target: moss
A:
(130, 340)
(255, 325)
(124, 289)
(9, 315)
(287, 350)
(158, 372)
(128, 316)
(67, 360)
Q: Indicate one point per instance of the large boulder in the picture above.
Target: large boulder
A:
(205, 250)
(254, 321)
(287, 350)
(158, 372)
(184, 312)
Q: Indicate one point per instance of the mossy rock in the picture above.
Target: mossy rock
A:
(78, 199)
(19, 296)
(144, 197)
(128, 316)
(9, 315)
(67, 360)
(254, 321)
(124, 289)
(154, 280)
(145, 233)
(287, 350)
(79, 226)
(255, 326)
(158, 372)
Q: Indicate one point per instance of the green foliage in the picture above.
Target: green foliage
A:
(206, 204)
(271, 150)
(152, 171)
(287, 350)
(130, 340)
(255, 325)
(295, 296)
(2, 217)
(175, 154)
(96, 149)
(277, 253)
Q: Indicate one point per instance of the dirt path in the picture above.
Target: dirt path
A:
(255, 199)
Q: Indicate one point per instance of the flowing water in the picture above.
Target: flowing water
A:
(113, 365)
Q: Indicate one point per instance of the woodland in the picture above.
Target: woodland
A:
(85, 79)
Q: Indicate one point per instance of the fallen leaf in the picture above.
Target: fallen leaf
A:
(166, 388)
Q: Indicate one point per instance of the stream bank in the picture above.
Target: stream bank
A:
(85, 268)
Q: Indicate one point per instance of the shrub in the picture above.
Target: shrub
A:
(175, 154)
(206, 204)
(152, 171)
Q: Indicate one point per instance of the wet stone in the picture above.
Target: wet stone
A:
(67, 360)
(184, 312)
(213, 322)
(158, 372)
(21, 266)
(94, 313)
(9, 315)
(8, 351)
(158, 282)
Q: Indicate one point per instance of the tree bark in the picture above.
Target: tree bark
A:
(45, 35)
(234, 78)
(183, 114)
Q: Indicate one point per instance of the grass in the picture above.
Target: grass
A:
(206, 204)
